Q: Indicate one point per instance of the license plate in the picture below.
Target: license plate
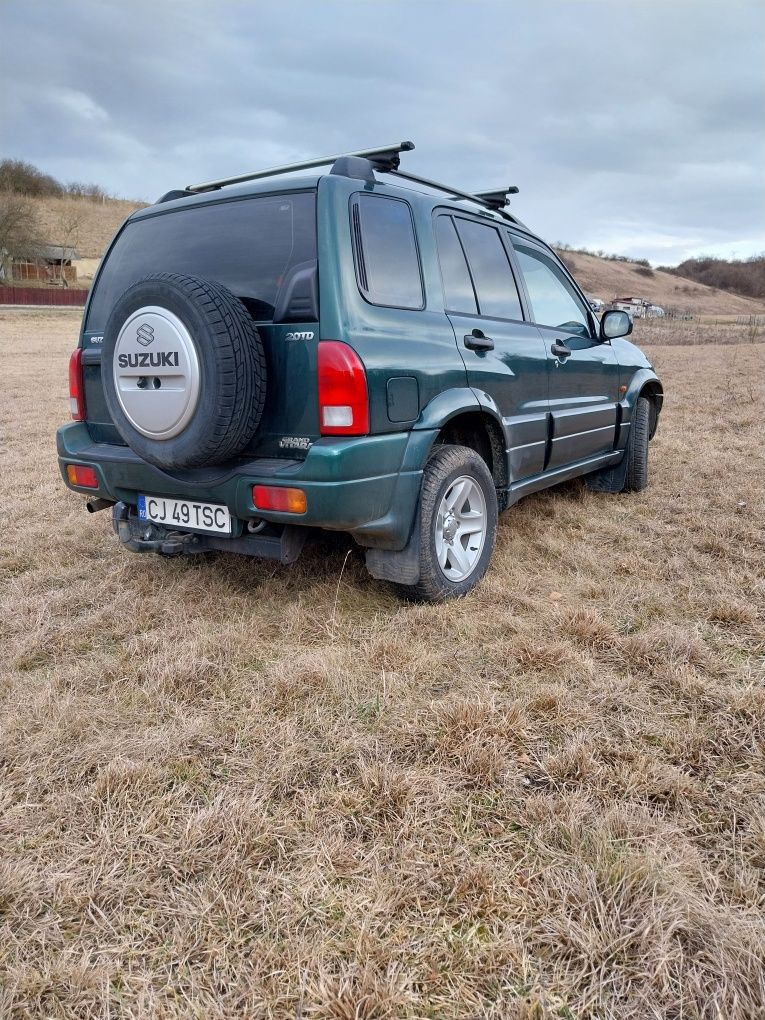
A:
(185, 514)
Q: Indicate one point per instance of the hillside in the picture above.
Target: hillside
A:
(606, 279)
(88, 226)
(744, 276)
(83, 224)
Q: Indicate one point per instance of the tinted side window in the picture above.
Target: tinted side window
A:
(387, 264)
(553, 300)
(459, 295)
(248, 246)
(490, 269)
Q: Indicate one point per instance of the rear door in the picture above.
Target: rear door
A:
(583, 372)
(503, 354)
(261, 247)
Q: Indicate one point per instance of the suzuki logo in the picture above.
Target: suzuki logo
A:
(145, 335)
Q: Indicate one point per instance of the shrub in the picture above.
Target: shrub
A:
(24, 179)
(745, 276)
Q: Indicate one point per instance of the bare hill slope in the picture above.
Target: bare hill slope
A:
(606, 279)
(81, 223)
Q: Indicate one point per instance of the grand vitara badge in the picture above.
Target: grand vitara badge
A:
(158, 389)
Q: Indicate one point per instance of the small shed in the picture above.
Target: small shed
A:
(52, 263)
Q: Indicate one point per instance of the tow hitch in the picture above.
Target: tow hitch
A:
(284, 544)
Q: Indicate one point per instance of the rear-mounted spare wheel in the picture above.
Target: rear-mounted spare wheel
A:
(183, 371)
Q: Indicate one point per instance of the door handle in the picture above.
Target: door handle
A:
(476, 340)
(560, 350)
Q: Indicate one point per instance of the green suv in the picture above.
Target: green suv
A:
(363, 350)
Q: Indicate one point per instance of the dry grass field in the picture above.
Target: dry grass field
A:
(231, 789)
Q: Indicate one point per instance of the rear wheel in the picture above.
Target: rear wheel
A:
(457, 525)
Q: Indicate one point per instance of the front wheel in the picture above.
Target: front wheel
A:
(457, 524)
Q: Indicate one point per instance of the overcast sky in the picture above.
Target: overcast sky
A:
(635, 126)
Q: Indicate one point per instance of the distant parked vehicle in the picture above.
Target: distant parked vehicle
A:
(596, 304)
(637, 307)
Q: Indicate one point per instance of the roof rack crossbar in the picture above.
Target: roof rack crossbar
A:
(497, 199)
(384, 157)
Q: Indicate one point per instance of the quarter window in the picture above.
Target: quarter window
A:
(490, 268)
(387, 264)
(459, 295)
(553, 300)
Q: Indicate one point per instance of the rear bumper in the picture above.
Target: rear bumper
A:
(367, 486)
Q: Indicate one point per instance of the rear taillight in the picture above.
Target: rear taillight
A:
(76, 388)
(85, 477)
(274, 497)
(343, 397)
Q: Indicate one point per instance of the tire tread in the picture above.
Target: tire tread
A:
(636, 478)
(240, 372)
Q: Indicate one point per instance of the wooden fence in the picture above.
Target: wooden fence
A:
(42, 296)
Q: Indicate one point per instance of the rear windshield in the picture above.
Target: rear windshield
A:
(248, 245)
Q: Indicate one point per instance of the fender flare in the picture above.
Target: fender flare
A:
(644, 381)
(644, 378)
(447, 406)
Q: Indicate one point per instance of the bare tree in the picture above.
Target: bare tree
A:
(69, 225)
(20, 236)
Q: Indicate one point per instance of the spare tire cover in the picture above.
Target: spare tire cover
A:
(183, 371)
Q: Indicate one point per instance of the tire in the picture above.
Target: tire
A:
(636, 476)
(183, 371)
(453, 472)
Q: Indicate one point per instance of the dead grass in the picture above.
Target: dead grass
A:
(691, 332)
(233, 789)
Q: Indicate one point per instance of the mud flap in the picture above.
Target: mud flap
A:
(400, 566)
(610, 479)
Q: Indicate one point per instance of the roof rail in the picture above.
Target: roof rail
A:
(495, 200)
(385, 157)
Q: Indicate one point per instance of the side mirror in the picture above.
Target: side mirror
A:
(615, 324)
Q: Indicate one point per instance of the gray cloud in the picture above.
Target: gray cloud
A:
(630, 126)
